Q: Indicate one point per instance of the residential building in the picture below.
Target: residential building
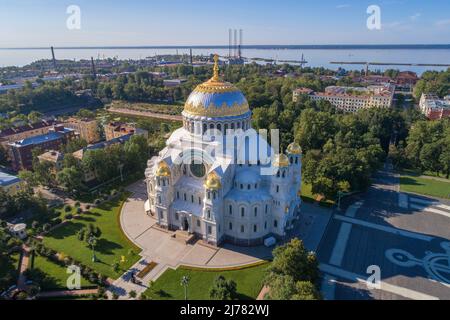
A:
(207, 195)
(54, 157)
(118, 129)
(21, 151)
(86, 128)
(352, 99)
(9, 183)
(25, 131)
(433, 107)
(173, 82)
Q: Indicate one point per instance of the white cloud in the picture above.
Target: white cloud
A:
(415, 16)
(442, 23)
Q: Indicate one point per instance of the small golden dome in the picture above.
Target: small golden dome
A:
(294, 148)
(281, 160)
(213, 182)
(163, 170)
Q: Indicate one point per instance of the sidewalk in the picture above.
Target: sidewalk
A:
(24, 262)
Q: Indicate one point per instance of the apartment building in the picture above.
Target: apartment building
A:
(352, 99)
(433, 107)
(86, 128)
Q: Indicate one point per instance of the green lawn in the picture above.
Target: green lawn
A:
(111, 246)
(410, 182)
(54, 276)
(168, 287)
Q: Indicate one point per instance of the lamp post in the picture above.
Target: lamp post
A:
(185, 283)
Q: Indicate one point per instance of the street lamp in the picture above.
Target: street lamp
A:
(185, 283)
(92, 242)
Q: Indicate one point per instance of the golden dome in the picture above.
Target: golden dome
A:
(281, 160)
(294, 148)
(213, 182)
(163, 170)
(216, 98)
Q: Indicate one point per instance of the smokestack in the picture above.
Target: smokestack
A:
(53, 57)
(240, 44)
(235, 43)
(190, 54)
(94, 73)
(230, 40)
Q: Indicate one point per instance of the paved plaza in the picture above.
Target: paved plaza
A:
(406, 236)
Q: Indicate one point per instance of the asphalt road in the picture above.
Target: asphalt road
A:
(402, 237)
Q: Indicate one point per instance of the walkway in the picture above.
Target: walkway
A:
(24, 263)
(67, 293)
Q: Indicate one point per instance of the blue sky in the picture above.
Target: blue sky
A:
(26, 23)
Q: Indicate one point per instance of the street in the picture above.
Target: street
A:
(405, 237)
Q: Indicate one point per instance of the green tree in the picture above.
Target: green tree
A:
(223, 289)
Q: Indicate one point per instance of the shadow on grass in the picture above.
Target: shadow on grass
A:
(410, 182)
(66, 230)
(105, 246)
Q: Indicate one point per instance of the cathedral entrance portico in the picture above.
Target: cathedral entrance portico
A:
(186, 221)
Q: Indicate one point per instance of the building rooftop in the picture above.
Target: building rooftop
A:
(27, 127)
(51, 136)
(80, 153)
(7, 179)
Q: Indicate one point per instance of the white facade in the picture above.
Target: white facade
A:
(221, 196)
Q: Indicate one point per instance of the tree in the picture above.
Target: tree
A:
(223, 289)
(292, 259)
(71, 179)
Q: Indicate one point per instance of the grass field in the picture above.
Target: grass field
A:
(168, 287)
(111, 246)
(55, 276)
(410, 182)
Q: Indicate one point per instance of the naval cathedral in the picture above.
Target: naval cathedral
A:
(213, 182)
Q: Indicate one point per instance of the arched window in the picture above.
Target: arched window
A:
(255, 228)
(242, 212)
(219, 127)
(192, 198)
(184, 197)
(242, 229)
(178, 195)
(230, 209)
(205, 128)
(230, 226)
(278, 173)
(284, 174)
(278, 189)
(209, 214)
(266, 209)
(256, 211)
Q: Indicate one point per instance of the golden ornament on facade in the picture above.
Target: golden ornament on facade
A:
(216, 111)
(294, 148)
(163, 170)
(213, 182)
(280, 160)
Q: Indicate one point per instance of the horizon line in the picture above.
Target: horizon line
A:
(258, 46)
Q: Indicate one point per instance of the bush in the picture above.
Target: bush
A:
(46, 227)
(114, 192)
(88, 206)
(56, 221)
(67, 208)
(97, 202)
(115, 296)
(68, 216)
(79, 210)
(77, 204)
(132, 294)
(34, 225)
